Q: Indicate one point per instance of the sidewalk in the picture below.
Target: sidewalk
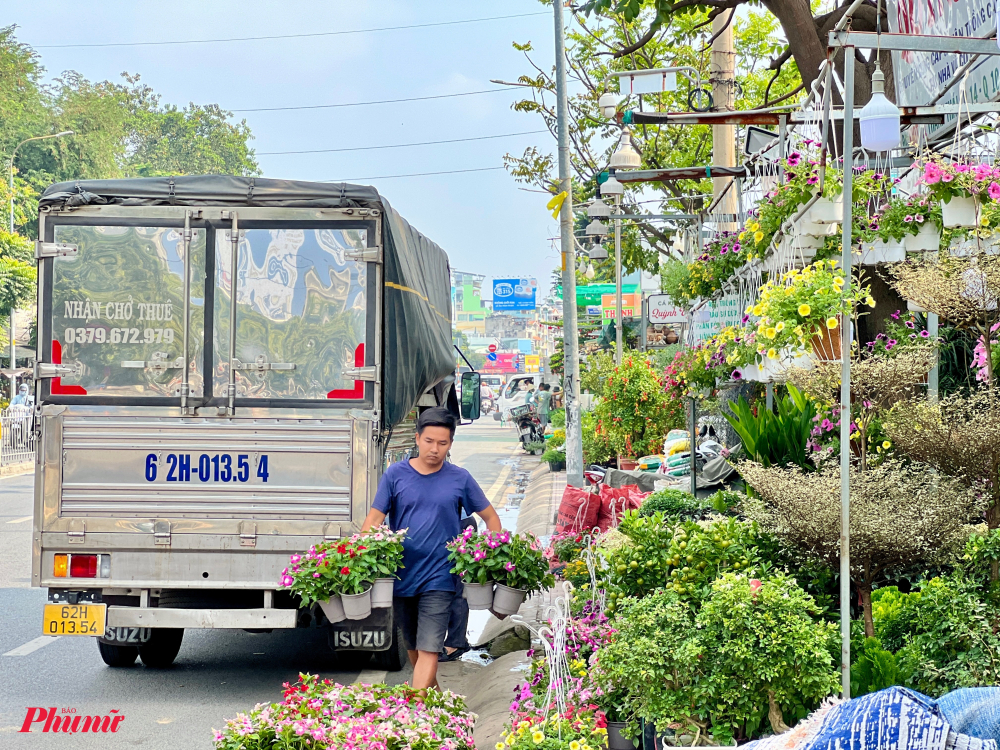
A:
(490, 689)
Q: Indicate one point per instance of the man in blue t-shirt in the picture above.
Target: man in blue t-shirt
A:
(425, 495)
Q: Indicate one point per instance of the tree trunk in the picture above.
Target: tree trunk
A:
(774, 714)
(865, 599)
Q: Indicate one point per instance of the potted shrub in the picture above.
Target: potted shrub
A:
(469, 554)
(555, 458)
(514, 562)
(385, 556)
(535, 448)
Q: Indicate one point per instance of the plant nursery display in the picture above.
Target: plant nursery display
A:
(322, 714)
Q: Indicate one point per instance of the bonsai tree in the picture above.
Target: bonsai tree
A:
(902, 514)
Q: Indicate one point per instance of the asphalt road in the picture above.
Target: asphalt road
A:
(217, 673)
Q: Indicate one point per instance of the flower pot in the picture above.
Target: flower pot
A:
(826, 211)
(873, 253)
(555, 466)
(826, 348)
(616, 739)
(806, 227)
(506, 601)
(478, 595)
(752, 373)
(357, 606)
(627, 464)
(959, 212)
(914, 307)
(928, 239)
(807, 242)
(382, 592)
(333, 609)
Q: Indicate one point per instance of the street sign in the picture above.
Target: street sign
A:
(663, 310)
(492, 356)
(492, 348)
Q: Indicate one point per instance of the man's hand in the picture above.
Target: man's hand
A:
(489, 515)
(375, 519)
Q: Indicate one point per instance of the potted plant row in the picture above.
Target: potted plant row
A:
(962, 188)
(348, 578)
(498, 569)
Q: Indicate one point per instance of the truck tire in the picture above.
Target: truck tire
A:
(118, 656)
(161, 649)
(396, 657)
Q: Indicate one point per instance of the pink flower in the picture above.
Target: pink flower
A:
(947, 177)
(294, 558)
(982, 172)
(509, 567)
(961, 168)
(287, 580)
(315, 575)
(994, 191)
(932, 173)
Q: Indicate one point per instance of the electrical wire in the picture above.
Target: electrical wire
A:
(415, 174)
(380, 101)
(290, 36)
(399, 145)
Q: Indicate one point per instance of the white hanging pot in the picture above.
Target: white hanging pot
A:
(959, 212)
(962, 247)
(752, 373)
(914, 307)
(826, 211)
(928, 239)
(806, 227)
(807, 242)
(873, 253)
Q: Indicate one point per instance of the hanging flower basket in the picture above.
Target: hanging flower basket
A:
(507, 600)
(752, 373)
(478, 595)
(960, 212)
(928, 239)
(826, 211)
(807, 242)
(382, 592)
(873, 253)
(826, 344)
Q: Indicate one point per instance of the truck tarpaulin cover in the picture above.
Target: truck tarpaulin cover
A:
(418, 352)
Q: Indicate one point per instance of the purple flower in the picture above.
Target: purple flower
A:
(925, 334)
(909, 324)
(812, 179)
(895, 315)
(736, 375)
(508, 566)
(919, 218)
(908, 218)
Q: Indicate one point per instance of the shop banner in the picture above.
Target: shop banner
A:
(661, 310)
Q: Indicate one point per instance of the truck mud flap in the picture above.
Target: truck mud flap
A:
(374, 633)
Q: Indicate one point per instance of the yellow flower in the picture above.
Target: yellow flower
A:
(804, 310)
(886, 444)
(780, 327)
(831, 323)
(870, 302)
(511, 739)
(758, 236)
(984, 221)
(770, 333)
(772, 353)
(749, 309)
(799, 332)
(758, 309)
(500, 746)
(574, 745)
(742, 236)
(837, 281)
(538, 737)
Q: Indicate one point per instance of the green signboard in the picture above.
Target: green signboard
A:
(590, 294)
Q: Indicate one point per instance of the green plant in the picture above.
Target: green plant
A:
(558, 438)
(554, 733)
(724, 501)
(339, 567)
(554, 455)
(535, 445)
(776, 439)
(900, 217)
(514, 560)
(875, 669)
(674, 505)
(558, 419)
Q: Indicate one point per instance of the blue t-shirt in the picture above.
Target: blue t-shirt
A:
(429, 505)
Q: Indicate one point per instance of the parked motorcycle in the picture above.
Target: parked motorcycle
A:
(529, 428)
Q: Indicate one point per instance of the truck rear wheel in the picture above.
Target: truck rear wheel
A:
(161, 649)
(118, 656)
(396, 657)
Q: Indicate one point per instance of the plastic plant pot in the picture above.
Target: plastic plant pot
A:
(507, 601)
(928, 239)
(333, 608)
(478, 595)
(826, 211)
(959, 212)
(357, 606)
(616, 739)
(382, 592)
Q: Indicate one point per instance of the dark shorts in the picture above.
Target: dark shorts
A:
(424, 619)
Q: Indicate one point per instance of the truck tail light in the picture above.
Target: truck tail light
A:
(105, 566)
(60, 566)
(83, 566)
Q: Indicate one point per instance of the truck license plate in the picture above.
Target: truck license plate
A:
(74, 619)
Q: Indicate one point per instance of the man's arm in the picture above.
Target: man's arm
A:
(489, 515)
(376, 517)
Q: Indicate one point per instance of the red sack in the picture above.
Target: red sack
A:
(615, 501)
(578, 510)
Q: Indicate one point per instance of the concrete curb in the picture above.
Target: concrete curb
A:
(16, 470)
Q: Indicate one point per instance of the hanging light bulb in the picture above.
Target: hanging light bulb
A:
(608, 104)
(591, 273)
(598, 209)
(611, 186)
(596, 229)
(879, 118)
(625, 155)
(597, 252)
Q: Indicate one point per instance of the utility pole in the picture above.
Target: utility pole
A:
(618, 281)
(571, 357)
(723, 78)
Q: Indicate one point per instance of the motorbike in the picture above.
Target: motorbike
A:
(487, 405)
(529, 428)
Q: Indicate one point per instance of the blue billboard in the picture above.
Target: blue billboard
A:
(514, 294)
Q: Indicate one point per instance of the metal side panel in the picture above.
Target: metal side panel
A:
(153, 617)
(172, 468)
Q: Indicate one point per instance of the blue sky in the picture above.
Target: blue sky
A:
(485, 223)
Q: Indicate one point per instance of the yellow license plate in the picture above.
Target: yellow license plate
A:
(74, 619)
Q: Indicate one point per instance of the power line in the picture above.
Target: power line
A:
(400, 145)
(416, 174)
(290, 36)
(380, 101)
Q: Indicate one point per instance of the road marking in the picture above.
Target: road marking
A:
(33, 645)
(21, 520)
(501, 482)
(371, 677)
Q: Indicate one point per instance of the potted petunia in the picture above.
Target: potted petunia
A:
(804, 310)
(961, 187)
(515, 563)
(914, 221)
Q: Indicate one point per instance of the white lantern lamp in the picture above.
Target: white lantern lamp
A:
(596, 229)
(625, 156)
(879, 118)
(598, 209)
(611, 186)
(597, 252)
(590, 273)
